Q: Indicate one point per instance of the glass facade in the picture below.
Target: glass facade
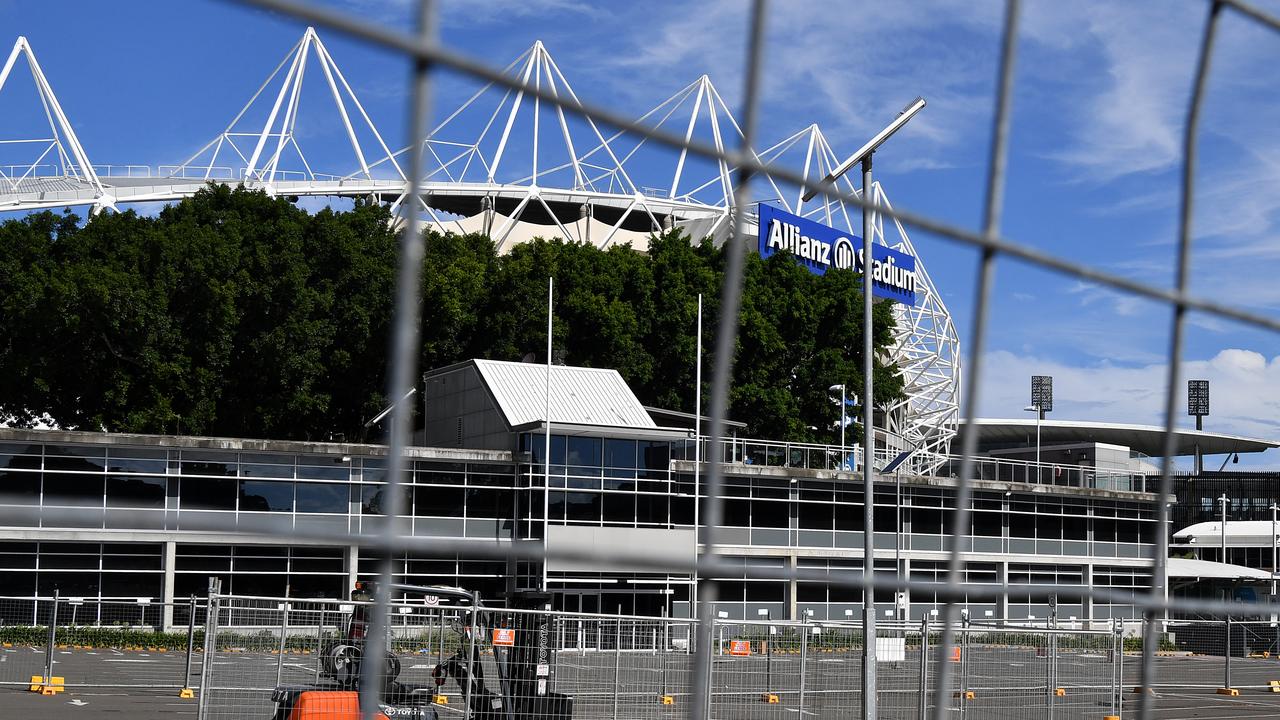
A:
(178, 494)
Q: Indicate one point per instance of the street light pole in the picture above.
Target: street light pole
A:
(1273, 552)
(864, 154)
(1035, 408)
(843, 417)
(1224, 501)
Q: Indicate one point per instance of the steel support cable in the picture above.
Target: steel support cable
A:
(400, 373)
(726, 337)
(446, 58)
(986, 277)
(1186, 215)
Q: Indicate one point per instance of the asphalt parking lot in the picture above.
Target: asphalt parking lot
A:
(1007, 684)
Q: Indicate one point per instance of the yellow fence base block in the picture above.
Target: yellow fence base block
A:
(1139, 690)
(1233, 692)
(1274, 685)
(37, 682)
(1060, 692)
(770, 698)
(966, 695)
(440, 699)
(187, 694)
(667, 700)
(1110, 717)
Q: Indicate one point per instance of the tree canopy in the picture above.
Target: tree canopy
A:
(233, 313)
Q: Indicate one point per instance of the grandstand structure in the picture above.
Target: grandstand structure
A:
(509, 166)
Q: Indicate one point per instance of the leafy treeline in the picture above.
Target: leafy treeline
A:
(237, 314)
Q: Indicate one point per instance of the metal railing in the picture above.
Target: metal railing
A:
(818, 456)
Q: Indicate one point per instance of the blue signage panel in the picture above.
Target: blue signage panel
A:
(818, 247)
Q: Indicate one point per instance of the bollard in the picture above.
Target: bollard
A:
(53, 633)
(284, 631)
(186, 691)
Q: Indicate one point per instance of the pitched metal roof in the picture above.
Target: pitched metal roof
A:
(579, 396)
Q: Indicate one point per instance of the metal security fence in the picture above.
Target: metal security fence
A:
(101, 643)
(611, 667)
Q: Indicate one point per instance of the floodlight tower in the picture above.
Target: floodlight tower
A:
(864, 155)
(1198, 406)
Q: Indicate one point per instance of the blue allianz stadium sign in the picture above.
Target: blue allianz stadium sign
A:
(819, 248)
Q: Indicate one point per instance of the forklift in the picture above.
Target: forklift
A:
(522, 653)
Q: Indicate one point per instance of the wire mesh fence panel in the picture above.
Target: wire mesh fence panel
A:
(899, 682)
(100, 643)
(833, 677)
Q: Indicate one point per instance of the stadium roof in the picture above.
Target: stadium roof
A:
(1186, 568)
(1240, 533)
(1146, 439)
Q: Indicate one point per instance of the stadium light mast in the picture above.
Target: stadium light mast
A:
(864, 155)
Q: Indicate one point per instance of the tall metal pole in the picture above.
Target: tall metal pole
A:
(842, 424)
(697, 459)
(1039, 417)
(546, 456)
(1273, 552)
(1224, 501)
(868, 449)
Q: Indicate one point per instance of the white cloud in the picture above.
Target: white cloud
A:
(1244, 385)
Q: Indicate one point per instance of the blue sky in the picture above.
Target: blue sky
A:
(1093, 172)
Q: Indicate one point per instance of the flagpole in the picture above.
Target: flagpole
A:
(546, 457)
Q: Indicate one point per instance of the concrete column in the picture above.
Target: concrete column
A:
(904, 573)
(1086, 605)
(791, 589)
(1002, 578)
(170, 556)
(353, 563)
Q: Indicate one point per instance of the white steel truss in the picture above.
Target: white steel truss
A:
(69, 166)
(258, 152)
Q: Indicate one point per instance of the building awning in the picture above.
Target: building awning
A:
(1188, 569)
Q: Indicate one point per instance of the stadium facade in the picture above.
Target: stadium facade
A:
(115, 515)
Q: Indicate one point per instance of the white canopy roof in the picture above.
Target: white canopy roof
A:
(1240, 533)
(1204, 569)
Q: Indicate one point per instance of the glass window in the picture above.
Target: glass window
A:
(140, 491)
(256, 495)
(583, 451)
(655, 456)
(620, 507)
(582, 507)
(332, 471)
(322, 497)
(769, 513)
(620, 453)
(266, 471)
(73, 489)
(438, 501)
(488, 503)
(20, 488)
(208, 467)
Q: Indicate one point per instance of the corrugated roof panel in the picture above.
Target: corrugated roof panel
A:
(582, 396)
